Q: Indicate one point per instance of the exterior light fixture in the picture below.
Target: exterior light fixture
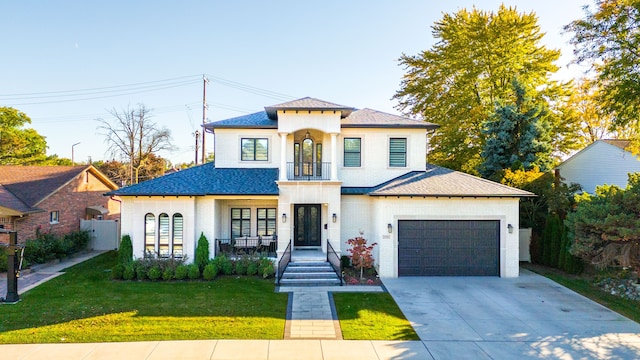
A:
(307, 135)
(389, 228)
(334, 217)
(284, 217)
(510, 228)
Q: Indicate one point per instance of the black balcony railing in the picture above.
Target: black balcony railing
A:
(308, 171)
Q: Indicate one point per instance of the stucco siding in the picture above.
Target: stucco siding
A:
(228, 148)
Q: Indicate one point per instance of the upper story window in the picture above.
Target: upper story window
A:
(54, 217)
(352, 152)
(255, 149)
(397, 152)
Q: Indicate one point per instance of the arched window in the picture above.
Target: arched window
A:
(150, 233)
(163, 235)
(177, 235)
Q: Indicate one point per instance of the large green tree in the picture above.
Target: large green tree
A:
(608, 39)
(457, 82)
(19, 145)
(517, 136)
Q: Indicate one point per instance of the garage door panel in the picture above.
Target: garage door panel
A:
(448, 247)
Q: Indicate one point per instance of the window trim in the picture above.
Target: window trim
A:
(164, 235)
(175, 244)
(242, 221)
(404, 165)
(345, 152)
(148, 235)
(255, 141)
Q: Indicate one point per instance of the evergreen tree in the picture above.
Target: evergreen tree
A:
(517, 136)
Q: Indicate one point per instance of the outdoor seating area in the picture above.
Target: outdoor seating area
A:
(248, 245)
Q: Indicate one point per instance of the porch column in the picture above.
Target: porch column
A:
(283, 156)
(334, 157)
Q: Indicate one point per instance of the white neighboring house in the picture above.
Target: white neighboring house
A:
(311, 173)
(602, 162)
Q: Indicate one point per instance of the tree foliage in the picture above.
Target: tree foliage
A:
(607, 38)
(19, 145)
(457, 82)
(605, 227)
(361, 253)
(517, 136)
(135, 138)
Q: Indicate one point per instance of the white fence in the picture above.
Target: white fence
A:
(105, 234)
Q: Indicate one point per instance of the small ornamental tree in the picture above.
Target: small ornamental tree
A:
(202, 252)
(125, 252)
(361, 253)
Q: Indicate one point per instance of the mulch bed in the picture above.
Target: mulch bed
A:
(369, 277)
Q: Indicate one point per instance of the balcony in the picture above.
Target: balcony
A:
(309, 171)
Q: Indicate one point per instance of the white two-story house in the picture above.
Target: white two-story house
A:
(308, 173)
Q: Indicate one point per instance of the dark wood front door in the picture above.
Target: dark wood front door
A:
(307, 225)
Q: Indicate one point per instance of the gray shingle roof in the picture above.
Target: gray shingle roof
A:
(374, 118)
(307, 103)
(258, 120)
(207, 180)
(439, 181)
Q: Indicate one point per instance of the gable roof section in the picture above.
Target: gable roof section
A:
(368, 118)
(206, 179)
(437, 181)
(307, 103)
(11, 205)
(620, 144)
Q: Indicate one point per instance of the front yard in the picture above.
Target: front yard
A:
(85, 305)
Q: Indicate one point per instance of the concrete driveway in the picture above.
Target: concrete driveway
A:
(517, 318)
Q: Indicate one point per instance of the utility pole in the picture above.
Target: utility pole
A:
(204, 116)
(197, 146)
(73, 159)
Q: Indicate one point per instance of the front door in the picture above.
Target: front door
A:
(307, 225)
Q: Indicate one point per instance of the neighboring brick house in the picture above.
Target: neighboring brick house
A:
(53, 199)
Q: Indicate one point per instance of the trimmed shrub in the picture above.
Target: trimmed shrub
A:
(202, 252)
(266, 268)
(193, 272)
(223, 264)
(117, 272)
(210, 272)
(154, 273)
(141, 272)
(345, 261)
(129, 273)
(181, 272)
(125, 252)
(168, 274)
(252, 268)
(240, 267)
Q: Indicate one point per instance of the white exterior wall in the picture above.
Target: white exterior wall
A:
(599, 164)
(228, 148)
(383, 211)
(134, 210)
(326, 193)
(292, 121)
(205, 222)
(375, 155)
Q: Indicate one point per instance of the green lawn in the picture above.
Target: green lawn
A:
(371, 316)
(84, 305)
(584, 285)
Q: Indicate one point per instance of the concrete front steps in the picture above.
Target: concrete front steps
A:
(309, 273)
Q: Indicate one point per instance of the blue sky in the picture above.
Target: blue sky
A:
(256, 53)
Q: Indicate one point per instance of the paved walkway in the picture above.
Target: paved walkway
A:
(222, 349)
(311, 313)
(43, 272)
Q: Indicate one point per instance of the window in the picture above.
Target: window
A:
(266, 221)
(177, 235)
(163, 235)
(397, 152)
(240, 222)
(149, 233)
(54, 217)
(255, 149)
(352, 152)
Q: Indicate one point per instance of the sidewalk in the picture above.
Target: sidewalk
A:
(44, 272)
(223, 349)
